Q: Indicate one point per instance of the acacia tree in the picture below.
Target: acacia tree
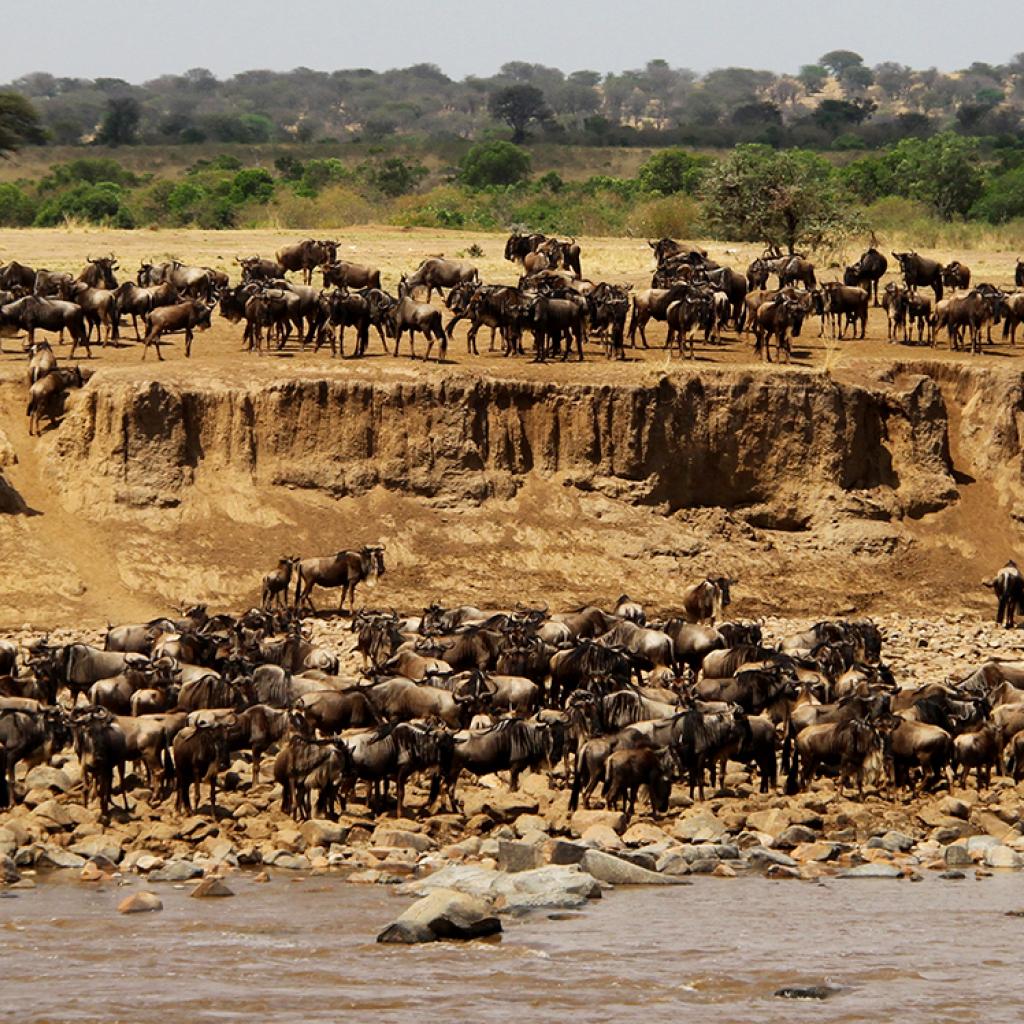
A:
(519, 106)
(19, 123)
(789, 198)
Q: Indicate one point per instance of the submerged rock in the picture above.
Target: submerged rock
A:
(606, 867)
(140, 903)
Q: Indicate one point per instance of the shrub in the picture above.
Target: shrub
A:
(494, 163)
(16, 209)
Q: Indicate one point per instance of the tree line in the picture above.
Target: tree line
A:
(838, 102)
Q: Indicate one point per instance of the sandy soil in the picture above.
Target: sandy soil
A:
(547, 541)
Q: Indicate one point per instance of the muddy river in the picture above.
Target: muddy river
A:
(304, 951)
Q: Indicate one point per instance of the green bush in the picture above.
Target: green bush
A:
(102, 203)
(494, 163)
(1003, 198)
(16, 208)
(671, 171)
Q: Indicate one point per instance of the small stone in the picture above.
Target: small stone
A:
(957, 856)
(952, 875)
(140, 903)
(261, 877)
(871, 870)
(559, 851)
(602, 837)
(897, 842)
(386, 837)
(794, 836)
(210, 887)
(806, 992)
(583, 820)
(1003, 857)
(513, 856)
(780, 871)
(724, 871)
(58, 857)
(90, 873)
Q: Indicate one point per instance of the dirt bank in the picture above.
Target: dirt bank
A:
(818, 491)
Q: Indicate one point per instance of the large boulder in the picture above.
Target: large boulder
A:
(606, 867)
(443, 914)
(581, 821)
(550, 886)
(498, 805)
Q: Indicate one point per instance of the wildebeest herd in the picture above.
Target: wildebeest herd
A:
(553, 303)
(597, 696)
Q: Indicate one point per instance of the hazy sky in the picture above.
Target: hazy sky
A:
(143, 40)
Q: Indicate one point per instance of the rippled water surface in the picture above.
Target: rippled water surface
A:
(715, 950)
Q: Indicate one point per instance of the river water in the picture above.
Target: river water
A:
(304, 951)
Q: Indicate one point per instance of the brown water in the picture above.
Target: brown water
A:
(717, 950)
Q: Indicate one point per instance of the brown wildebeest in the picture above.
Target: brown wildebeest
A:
(704, 602)
(981, 750)
(894, 302)
(41, 361)
(436, 273)
(775, 319)
(306, 256)
(100, 307)
(920, 272)
(274, 588)
(200, 752)
(412, 316)
(100, 272)
(184, 316)
(343, 274)
(1008, 585)
(956, 275)
(796, 270)
(849, 745)
(346, 569)
(136, 301)
(626, 771)
(842, 304)
(919, 745)
(867, 272)
(46, 396)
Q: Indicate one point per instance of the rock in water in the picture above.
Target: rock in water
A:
(140, 903)
(806, 992)
(444, 914)
(606, 867)
(210, 887)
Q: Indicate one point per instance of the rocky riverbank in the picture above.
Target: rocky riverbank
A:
(525, 849)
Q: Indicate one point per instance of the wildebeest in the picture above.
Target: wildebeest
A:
(511, 745)
(30, 735)
(626, 771)
(183, 316)
(705, 602)
(1008, 585)
(274, 588)
(956, 275)
(346, 569)
(306, 256)
(304, 764)
(848, 745)
(867, 272)
(200, 753)
(436, 274)
(100, 272)
(843, 304)
(47, 395)
(412, 316)
(920, 272)
(32, 313)
(343, 274)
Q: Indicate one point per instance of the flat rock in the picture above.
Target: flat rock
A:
(606, 867)
(210, 887)
(602, 837)
(44, 776)
(559, 851)
(701, 826)
(176, 871)
(760, 856)
(140, 903)
(773, 821)
(106, 845)
(320, 832)
(58, 857)
(583, 820)
(289, 861)
(643, 833)
(498, 805)
(897, 842)
(54, 815)
(396, 838)
(550, 886)
(444, 914)
(795, 835)
(871, 870)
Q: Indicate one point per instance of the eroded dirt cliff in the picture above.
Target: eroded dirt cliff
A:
(873, 488)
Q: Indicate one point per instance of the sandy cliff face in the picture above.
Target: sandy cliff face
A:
(875, 490)
(784, 442)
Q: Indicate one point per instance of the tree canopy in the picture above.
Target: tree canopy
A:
(789, 198)
(519, 106)
(19, 123)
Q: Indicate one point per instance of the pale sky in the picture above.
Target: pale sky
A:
(144, 40)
